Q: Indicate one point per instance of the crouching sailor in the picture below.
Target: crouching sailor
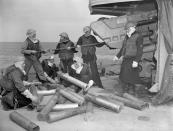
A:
(50, 69)
(13, 90)
(83, 72)
(66, 49)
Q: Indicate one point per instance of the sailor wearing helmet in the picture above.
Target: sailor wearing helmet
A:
(88, 44)
(66, 49)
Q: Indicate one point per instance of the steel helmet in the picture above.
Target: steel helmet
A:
(64, 34)
(29, 32)
(86, 29)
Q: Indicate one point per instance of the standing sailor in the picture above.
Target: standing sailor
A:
(131, 53)
(65, 48)
(32, 50)
(88, 45)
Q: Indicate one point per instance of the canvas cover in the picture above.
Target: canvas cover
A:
(165, 52)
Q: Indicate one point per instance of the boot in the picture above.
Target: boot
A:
(31, 107)
(124, 87)
(141, 90)
(131, 90)
(5, 106)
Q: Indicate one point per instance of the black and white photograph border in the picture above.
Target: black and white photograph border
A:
(86, 65)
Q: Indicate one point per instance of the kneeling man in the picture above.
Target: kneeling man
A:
(83, 72)
(13, 89)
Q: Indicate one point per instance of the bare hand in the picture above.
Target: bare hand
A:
(115, 58)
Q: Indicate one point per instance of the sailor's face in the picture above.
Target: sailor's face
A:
(62, 38)
(87, 33)
(76, 65)
(51, 60)
(21, 65)
(33, 35)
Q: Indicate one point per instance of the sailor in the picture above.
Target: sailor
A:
(88, 44)
(130, 54)
(32, 50)
(50, 69)
(14, 92)
(82, 71)
(66, 49)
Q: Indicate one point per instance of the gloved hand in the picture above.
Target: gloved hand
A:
(90, 83)
(28, 94)
(45, 74)
(134, 64)
(79, 69)
(115, 58)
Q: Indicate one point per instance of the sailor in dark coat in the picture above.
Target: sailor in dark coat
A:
(32, 50)
(82, 72)
(50, 69)
(131, 53)
(14, 92)
(88, 53)
(66, 50)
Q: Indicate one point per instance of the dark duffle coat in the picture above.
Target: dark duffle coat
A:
(89, 56)
(12, 85)
(66, 55)
(132, 50)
